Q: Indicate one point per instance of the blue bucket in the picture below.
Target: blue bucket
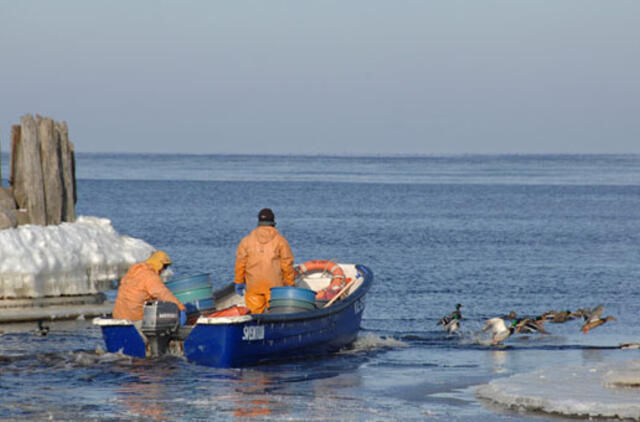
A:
(290, 292)
(274, 303)
(198, 306)
(286, 310)
(195, 294)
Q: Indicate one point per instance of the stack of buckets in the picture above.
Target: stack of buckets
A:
(290, 300)
(195, 293)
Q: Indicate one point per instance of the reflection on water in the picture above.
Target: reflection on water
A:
(252, 394)
(169, 389)
(145, 394)
(499, 360)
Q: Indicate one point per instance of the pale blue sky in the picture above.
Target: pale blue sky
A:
(327, 77)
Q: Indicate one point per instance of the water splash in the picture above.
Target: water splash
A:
(370, 341)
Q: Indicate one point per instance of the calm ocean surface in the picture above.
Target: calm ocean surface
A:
(496, 233)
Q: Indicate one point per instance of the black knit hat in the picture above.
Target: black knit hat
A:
(266, 217)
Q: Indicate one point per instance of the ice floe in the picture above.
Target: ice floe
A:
(589, 391)
(66, 259)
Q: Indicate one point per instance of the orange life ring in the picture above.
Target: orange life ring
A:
(338, 279)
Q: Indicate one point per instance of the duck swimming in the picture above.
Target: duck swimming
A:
(451, 322)
(43, 330)
(630, 346)
(456, 312)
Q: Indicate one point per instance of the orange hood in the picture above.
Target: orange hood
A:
(265, 234)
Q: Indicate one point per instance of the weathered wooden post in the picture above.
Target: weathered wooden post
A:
(28, 187)
(13, 158)
(68, 172)
(51, 169)
(21, 214)
(42, 175)
(7, 217)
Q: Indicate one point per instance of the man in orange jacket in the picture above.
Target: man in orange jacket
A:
(263, 260)
(142, 283)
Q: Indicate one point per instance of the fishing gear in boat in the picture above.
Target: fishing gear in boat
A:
(338, 278)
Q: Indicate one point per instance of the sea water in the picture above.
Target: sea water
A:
(495, 233)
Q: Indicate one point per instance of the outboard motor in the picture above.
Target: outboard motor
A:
(160, 323)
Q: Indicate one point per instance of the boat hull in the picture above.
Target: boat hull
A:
(252, 339)
(123, 338)
(232, 345)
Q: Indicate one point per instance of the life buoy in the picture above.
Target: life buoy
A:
(338, 279)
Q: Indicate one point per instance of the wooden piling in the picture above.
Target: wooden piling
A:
(68, 167)
(15, 141)
(51, 169)
(29, 186)
(42, 174)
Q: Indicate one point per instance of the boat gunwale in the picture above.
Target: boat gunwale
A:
(337, 307)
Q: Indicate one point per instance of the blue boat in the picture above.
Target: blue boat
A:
(236, 341)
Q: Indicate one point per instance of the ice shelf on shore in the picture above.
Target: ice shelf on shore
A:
(67, 259)
(598, 390)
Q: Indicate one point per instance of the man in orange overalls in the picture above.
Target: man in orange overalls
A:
(142, 283)
(263, 260)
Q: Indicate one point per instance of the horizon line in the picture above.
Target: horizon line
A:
(356, 155)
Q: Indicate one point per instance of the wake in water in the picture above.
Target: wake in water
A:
(61, 360)
(370, 342)
(99, 356)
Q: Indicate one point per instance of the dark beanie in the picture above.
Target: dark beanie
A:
(266, 217)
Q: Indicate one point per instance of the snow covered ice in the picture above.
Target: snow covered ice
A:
(67, 259)
(598, 390)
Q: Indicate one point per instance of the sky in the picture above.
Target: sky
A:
(364, 77)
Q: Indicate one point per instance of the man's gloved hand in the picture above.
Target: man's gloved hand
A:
(239, 289)
(183, 318)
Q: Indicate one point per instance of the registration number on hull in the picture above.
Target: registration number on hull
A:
(253, 332)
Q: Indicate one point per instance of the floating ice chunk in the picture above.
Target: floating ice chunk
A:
(67, 259)
(571, 391)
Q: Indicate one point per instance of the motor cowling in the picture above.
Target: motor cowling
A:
(160, 323)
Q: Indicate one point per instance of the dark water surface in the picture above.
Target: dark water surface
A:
(495, 233)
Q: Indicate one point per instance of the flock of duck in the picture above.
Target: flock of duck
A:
(503, 327)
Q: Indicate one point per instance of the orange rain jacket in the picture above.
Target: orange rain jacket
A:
(263, 260)
(141, 284)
